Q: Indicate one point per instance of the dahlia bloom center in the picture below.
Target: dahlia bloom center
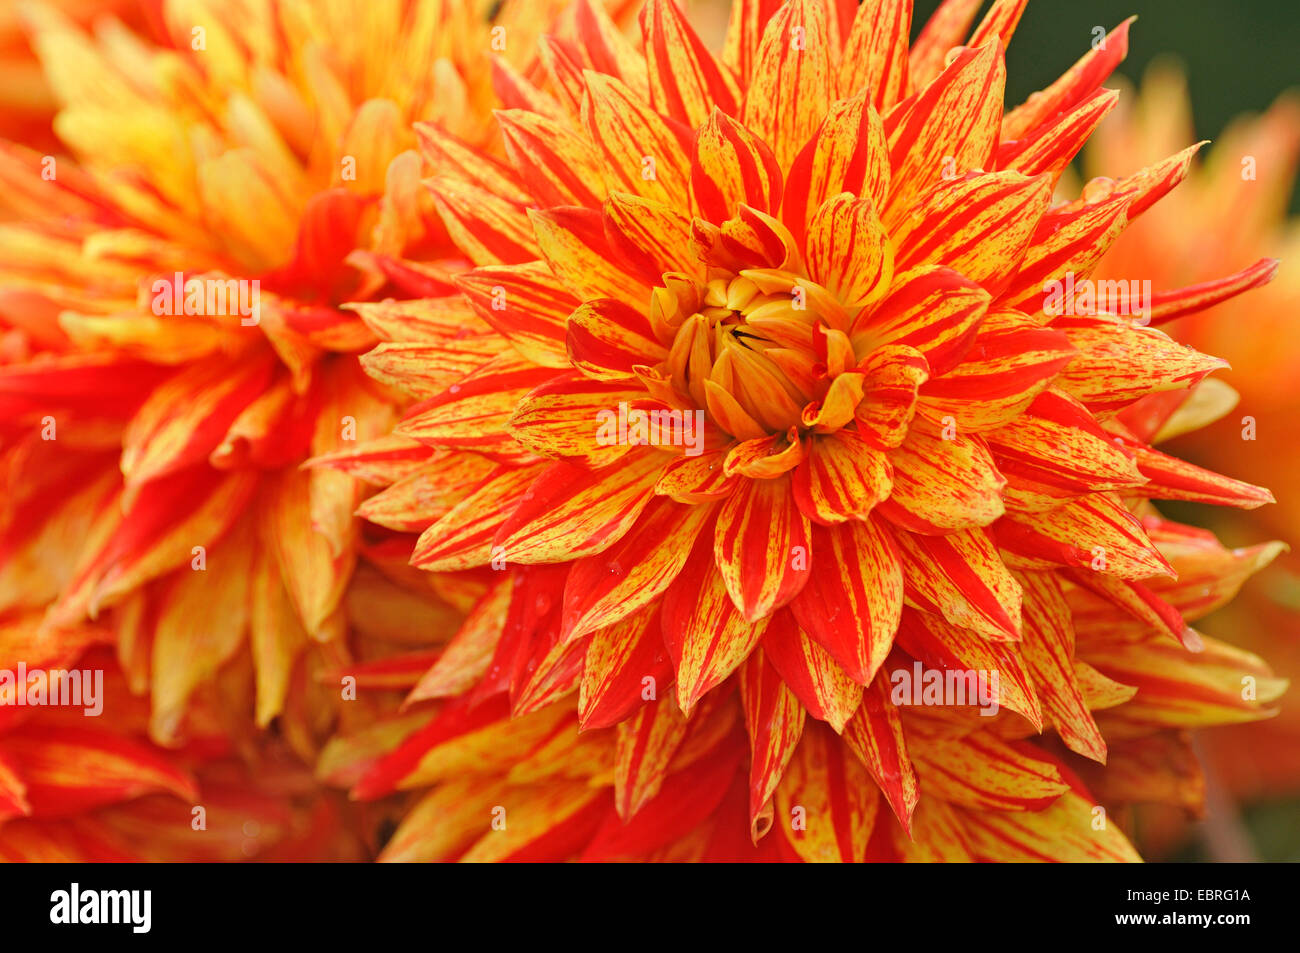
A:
(770, 354)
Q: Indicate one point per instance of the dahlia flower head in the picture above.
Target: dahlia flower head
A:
(820, 266)
(157, 524)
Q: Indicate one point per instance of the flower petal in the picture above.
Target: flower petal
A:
(852, 602)
(761, 546)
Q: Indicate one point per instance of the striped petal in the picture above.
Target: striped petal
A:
(556, 164)
(654, 238)
(1093, 532)
(1118, 363)
(950, 127)
(463, 538)
(875, 733)
(941, 645)
(527, 304)
(1078, 82)
(941, 485)
(848, 251)
(943, 31)
(706, 637)
(607, 340)
(1050, 149)
(848, 154)
(641, 151)
(852, 602)
(825, 805)
(961, 577)
(620, 658)
(841, 478)
(820, 683)
(67, 770)
(731, 165)
(574, 244)
(1049, 652)
(1010, 363)
(875, 53)
(1056, 450)
(569, 512)
(979, 771)
(1067, 825)
(686, 82)
(490, 230)
(774, 721)
(633, 572)
(1068, 241)
(979, 225)
(761, 544)
(891, 377)
(473, 412)
(933, 309)
(791, 86)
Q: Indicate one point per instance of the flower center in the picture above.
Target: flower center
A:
(743, 349)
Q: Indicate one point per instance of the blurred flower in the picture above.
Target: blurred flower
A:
(819, 270)
(1232, 209)
(174, 348)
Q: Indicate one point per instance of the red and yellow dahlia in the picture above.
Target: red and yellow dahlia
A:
(1232, 208)
(757, 391)
(151, 445)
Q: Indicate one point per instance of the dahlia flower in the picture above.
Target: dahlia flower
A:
(1232, 208)
(152, 453)
(821, 266)
(152, 449)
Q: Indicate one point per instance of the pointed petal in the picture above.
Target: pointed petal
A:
(942, 485)
(619, 660)
(556, 164)
(842, 478)
(848, 154)
(706, 637)
(875, 53)
(849, 252)
(981, 772)
(774, 721)
(1048, 648)
(826, 806)
(931, 308)
(569, 512)
(1094, 531)
(1010, 363)
(791, 86)
(762, 547)
(852, 602)
(574, 244)
(686, 82)
(961, 577)
(979, 225)
(820, 683)
(633, 572)
(527, 304)
(950, 126)
(627, 133)
(875, 734)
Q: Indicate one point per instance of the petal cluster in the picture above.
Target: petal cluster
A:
(765, 399)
